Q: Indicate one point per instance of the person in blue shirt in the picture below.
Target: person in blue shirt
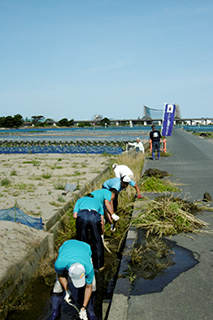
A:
(119, 184)
(74, 261)
(89, 215)
(106, 197)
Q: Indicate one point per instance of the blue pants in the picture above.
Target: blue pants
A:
(88, 228)
(155, 146)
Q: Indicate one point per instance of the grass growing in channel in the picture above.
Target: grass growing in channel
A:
(125, 204)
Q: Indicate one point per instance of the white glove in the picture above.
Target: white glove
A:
(102, 237)
(115, 217)
(67, 297)
(83, 314)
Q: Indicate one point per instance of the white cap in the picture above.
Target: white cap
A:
(126, 179)
(77, 274)
(114, 165)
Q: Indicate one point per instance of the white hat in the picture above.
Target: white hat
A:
(126, 179)
(77, 274)
(114, 165)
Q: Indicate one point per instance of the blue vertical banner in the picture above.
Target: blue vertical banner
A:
(168, 119)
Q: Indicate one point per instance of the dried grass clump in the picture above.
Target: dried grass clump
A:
(167, 216)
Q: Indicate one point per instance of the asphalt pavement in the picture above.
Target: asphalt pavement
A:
(186, 290)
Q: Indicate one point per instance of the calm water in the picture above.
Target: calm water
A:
(72, 134)
(93, 133)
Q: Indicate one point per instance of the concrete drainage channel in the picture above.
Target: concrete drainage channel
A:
(14, 281)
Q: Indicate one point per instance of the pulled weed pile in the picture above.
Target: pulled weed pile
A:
(151, 257)
(167, 216)
(153, 184)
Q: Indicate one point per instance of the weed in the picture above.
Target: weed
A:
(77, 173)
(56, 167)
(152, 184)
(60, 199)
(130, 274)
(5, 182)
(13, 173)
(167, 216)
(46, 175)
(35, 163)
(59, 185)
(26, 187)
(45, 270)
(55, 204)
(151, 257)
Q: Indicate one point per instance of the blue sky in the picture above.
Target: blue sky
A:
(77, 58)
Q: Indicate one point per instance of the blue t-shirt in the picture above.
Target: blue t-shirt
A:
(116, 184)
(102, 194)
(88, 203)
(74, 251)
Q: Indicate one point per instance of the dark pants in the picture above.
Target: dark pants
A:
(155, 146)
(88, 227)
(115, 203)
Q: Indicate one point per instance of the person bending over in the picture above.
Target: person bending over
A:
(74, 262)
(89, 215)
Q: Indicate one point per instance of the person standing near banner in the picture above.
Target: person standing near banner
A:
(155, 136)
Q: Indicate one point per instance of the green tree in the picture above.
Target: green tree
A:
(37, 119)
(104, 121)
(18, 121)
(2, 122)
(64, 122)
(9, 122)
(84, 124)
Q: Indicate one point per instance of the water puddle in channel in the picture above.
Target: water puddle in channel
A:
(161, 267)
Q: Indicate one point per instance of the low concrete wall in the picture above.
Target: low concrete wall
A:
(15, 281)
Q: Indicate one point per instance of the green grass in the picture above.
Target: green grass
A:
(60, 199)
(29, 187)
(46, 175)
(5, 182)
(59, 185)
(55, 204)
(35, 163)
(77, 173)
(153, 184)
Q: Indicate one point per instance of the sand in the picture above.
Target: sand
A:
(36, 182)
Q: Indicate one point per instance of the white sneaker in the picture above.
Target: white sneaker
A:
(112, 229)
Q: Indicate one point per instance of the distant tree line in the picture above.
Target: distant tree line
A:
(17, 121)
(11, 122)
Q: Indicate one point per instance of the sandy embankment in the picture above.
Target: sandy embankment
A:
(34, 180)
